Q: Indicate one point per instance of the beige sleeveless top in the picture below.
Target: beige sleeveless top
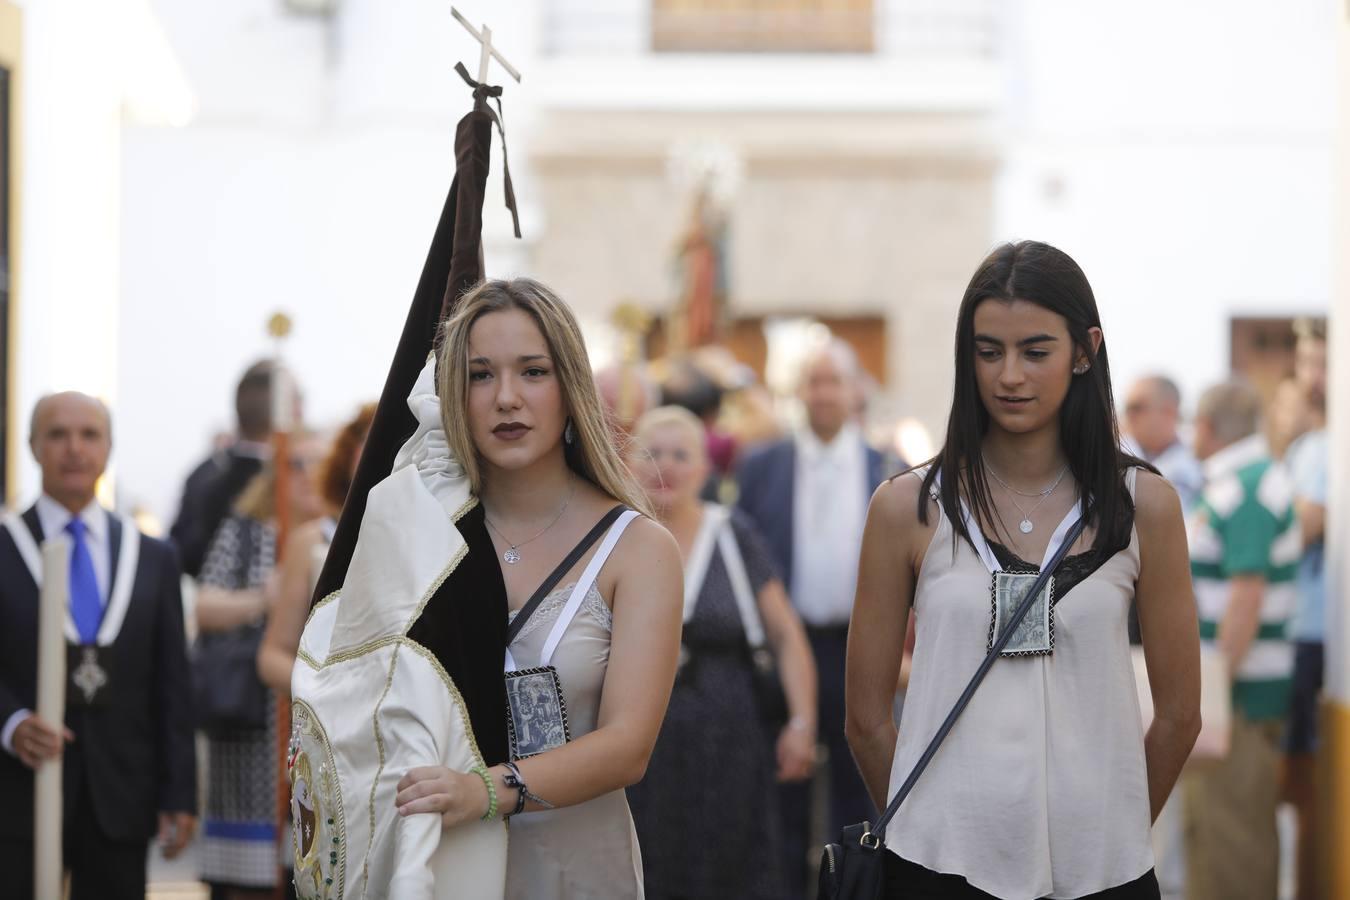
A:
(588, 851)
(1040, 789)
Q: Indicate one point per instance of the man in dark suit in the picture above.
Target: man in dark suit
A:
(126, 750)
(214, 486)
(808, 495)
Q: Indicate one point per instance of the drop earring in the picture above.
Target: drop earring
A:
(569, 436)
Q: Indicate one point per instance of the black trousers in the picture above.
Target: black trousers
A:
(848, 801)
(100, 868)
(909, 881)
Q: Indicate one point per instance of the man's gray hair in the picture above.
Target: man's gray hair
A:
(1232, 409)
(1166, 389)
(839, 350)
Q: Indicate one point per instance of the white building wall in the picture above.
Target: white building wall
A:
(1183, 154)
(310, 181)
(89, 65)
(311, 177)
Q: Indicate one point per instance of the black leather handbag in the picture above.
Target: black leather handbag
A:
(227, 694)
(854, 868)
(226, 691)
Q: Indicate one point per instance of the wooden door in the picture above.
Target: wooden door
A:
(1262, 351)
(745, 339)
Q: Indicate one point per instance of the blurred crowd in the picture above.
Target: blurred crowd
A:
(793, 476)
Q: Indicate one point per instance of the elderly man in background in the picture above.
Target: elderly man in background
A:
(1152, 414)
(129, 769)
(808, 496)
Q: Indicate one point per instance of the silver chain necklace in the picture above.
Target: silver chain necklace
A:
(512, 554)
(1026, 526)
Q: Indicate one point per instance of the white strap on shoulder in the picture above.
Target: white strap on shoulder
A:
(128, 559)
(32, 558)
(27, 547)
(588, 576)
(982, 548)
(700, 555)
(986, 553)
(740, 586)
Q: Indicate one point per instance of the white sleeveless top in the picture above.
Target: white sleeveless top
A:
(1040, 789)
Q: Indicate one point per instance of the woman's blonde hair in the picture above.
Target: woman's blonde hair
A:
(678, 416)
(592, 453)
(258, 499)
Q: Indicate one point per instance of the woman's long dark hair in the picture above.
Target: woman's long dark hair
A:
(1040, 274)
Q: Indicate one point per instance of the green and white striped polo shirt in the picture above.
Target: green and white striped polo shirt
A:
(1244, 524)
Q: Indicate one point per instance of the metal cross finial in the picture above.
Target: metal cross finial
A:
(484, 38)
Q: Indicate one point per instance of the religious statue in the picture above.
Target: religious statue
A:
(701, 285)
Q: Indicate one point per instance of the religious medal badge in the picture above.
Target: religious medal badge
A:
(1035, 634)
(536, 708)
(537, 711)
(88, 676)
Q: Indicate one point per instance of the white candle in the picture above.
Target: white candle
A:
(283, 399)
(51, 706)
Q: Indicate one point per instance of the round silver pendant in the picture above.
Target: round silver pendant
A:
(1026, 526)
(511, 556)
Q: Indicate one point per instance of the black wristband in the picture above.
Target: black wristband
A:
(513, 779)
(516, 780)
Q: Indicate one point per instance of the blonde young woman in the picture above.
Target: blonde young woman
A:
(522, 415)
(706, 812)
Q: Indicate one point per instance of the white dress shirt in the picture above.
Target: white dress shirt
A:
(828, 512)
(54, 517)
(1179, 466)
(252, 449)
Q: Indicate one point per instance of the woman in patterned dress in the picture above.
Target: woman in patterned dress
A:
(239, 840)
(706, 812)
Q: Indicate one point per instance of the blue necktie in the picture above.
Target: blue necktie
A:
(86, 603)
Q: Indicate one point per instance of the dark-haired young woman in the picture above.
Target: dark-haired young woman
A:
(1047, 785)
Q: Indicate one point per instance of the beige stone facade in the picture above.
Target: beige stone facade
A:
(835, 214)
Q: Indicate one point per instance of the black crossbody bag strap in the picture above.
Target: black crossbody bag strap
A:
(563, 568)
(1018, 615)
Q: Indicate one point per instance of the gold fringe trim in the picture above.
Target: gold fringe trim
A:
(375, 783)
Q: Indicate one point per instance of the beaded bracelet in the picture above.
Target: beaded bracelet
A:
(491, 789)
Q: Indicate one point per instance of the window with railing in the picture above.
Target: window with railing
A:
(769, 26)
